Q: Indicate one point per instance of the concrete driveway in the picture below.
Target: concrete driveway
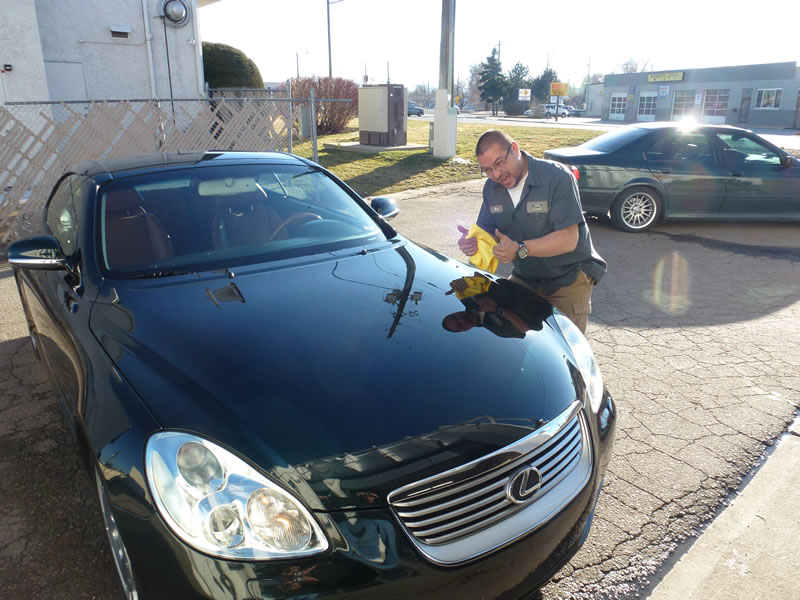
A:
(695, 327)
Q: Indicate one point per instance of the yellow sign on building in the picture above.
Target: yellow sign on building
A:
(558, 89)
(677, 76)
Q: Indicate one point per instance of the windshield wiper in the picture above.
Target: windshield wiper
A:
(160, 274)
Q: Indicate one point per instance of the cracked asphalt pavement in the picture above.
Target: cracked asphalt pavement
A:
(695, 328)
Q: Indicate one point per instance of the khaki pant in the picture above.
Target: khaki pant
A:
(574, 300)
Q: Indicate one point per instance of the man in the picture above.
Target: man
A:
(533, 209)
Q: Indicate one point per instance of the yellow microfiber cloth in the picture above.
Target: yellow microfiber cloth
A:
(484, 258)
(475, 285)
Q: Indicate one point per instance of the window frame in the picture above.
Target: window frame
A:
(68, 190)
(761, 93)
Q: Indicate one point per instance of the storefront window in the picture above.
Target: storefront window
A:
(768, 98)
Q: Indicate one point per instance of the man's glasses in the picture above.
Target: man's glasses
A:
(497, 164)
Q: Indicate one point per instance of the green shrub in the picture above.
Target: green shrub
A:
(227, 67)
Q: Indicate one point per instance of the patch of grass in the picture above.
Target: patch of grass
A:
(394, 171)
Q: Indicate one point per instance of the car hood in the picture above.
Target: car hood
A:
(337, 370)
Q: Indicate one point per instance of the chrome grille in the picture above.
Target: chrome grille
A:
(449, 507)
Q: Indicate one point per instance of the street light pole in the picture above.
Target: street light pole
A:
(330, 62)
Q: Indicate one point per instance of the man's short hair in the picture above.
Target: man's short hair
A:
(490, 138)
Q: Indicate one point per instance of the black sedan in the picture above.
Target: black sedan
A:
(279, 396)
(645, 172)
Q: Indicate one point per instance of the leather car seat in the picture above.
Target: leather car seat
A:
(133, 237)
(244, 220)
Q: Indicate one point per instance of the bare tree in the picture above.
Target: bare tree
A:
(473, 89)
(634, 66)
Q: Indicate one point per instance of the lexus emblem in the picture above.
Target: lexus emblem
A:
(523, 485)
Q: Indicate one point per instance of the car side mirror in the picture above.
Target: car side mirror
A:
(385, 207)
(786, 160)
(40, 252)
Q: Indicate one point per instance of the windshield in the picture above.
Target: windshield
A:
(210, 216)
(608, 142)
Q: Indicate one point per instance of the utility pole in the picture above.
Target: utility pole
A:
(330, 61)
(444, 114)
(588, 79)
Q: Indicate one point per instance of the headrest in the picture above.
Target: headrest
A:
(123, 203)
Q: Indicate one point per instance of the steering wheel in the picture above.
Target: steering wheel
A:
(307, 216)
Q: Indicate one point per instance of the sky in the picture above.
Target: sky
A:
(399, 41)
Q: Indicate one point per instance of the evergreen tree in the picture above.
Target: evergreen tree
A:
(517, 78)
(492, 82)
(541, 85)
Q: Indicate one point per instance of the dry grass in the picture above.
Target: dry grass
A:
(388, 172)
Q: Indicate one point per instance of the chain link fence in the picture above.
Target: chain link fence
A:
(40, 140)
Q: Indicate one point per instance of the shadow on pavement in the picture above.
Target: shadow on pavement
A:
(665, 279)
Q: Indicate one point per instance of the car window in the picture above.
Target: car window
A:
(213, 216)
(613, 140)
(62, 216)
(741, 148)
(681, 146)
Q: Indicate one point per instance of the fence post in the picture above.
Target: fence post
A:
(291, 115)
(314, 155)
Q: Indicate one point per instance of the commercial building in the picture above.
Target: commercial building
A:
(766, 95)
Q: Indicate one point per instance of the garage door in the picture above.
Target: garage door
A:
(619, 102)
(647, 106)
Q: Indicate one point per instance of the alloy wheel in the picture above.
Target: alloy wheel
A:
(639, 210)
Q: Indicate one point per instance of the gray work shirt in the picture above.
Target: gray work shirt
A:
(549, 202)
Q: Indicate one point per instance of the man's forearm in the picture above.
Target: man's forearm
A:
(555, 243)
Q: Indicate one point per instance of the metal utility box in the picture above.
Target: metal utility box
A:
(382, 116)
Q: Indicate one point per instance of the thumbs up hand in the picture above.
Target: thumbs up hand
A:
(506, 248)
(468, 246)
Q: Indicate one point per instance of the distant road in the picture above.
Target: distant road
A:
(784, 138)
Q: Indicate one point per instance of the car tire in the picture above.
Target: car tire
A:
(119, 553)
(636, 209)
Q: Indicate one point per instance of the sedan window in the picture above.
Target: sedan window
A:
(682, 146)
(742, 149)
(613, 140)
(61, 216)
(215, 216)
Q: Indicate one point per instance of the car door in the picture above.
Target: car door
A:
(759, 182)
(54, 297)
(690, 168)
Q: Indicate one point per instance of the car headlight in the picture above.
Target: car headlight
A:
(584, 358)
(218, 504)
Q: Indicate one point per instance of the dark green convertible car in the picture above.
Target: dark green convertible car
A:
(648, 171)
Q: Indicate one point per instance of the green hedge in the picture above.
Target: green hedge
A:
(227, 67)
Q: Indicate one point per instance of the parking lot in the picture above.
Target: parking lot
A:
(695, 328)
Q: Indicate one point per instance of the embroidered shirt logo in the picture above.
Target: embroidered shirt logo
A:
(538, 206)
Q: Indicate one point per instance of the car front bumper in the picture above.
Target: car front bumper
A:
(375, 559)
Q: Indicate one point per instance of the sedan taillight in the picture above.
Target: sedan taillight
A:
(575, 171)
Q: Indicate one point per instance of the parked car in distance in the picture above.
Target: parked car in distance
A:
(644, 172)
(572, 111)
(415, 110)
(231, 337)
(551, 110)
